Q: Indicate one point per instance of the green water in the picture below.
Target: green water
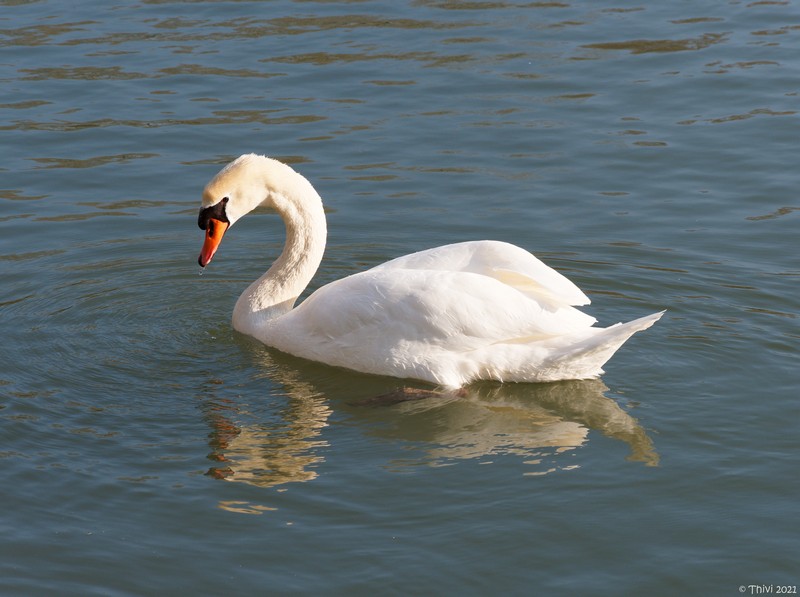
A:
(647, 151)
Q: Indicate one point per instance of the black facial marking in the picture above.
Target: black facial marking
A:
(216, 211)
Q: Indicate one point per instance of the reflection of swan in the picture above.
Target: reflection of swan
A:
(528, 420)
(283, 441)
(268, 450)
(449, 315)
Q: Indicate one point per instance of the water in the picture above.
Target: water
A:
(648, 151)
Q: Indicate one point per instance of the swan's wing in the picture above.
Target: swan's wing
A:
(501, 261)
(455, 311)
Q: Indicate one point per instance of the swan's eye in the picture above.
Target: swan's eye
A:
(216, 211)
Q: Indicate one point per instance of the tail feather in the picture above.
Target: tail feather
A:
(575, 356)
(587, 357)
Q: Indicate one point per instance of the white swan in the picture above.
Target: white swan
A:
(449, 315)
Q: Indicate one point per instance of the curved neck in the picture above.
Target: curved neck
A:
(275, 292)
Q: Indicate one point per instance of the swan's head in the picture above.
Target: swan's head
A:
(236, 190)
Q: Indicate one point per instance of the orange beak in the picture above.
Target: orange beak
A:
(215, 230)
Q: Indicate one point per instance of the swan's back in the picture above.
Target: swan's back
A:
(504, 262)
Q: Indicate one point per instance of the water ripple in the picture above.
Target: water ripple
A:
(646, 46)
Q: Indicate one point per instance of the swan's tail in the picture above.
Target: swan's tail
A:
(587, 357)
(576, 356)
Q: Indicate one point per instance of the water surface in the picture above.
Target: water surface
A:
(646, 151)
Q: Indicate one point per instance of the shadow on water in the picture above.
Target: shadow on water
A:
(282, 440)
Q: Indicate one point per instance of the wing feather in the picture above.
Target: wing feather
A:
(505, 262)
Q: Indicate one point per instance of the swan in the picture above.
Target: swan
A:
(451, 315)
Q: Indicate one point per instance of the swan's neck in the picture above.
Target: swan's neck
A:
(275, 292)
